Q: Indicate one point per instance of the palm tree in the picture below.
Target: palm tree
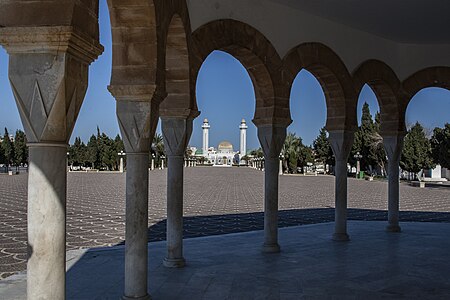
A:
(158, 147)
(291, 152)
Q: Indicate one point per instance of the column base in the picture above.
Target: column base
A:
(146, 297)
(271, 248)
(393, 228)
(174, 262)
(341, 237)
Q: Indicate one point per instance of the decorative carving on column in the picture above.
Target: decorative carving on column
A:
(176, 133)
(48, 73)
(136, 114)
(341, 143)
(271, 138)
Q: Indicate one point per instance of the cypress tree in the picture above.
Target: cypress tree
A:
(416, 155)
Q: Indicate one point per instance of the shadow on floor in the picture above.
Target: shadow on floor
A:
(199, 226)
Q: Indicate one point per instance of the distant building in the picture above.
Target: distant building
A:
(224, 155)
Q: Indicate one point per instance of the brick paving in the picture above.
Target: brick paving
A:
(217, 201)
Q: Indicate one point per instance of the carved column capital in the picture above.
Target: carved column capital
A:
(393, 144)
(177, 133)
(135, 122)
(341, 142)
(48, 72)
(50, 39)
(272, 137)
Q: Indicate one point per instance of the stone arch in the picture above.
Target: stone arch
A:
(334, 78)
(176, 77)
(385, 84)
(429, 77)
(259, 58)
(134, 43)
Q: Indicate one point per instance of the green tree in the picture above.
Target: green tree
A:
(8, 150)
(440, 146)
(20, 148)
(367, 142)
(416, 155)
(295, 153)
(305, 156)
(92, 153)
(257, 153)
(77, 153)
(322, 148)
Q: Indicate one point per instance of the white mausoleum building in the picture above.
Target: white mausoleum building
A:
(224, 155)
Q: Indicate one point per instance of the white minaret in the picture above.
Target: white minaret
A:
(243, 129)
(205, 128)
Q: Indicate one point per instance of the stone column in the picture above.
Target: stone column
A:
(280, 167)
(136, 115)
(271, 138)
(176, 133)
(393, 144)
(121, 165)
(48, 72)
(341, 143)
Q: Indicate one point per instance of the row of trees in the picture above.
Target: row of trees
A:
(102, 153)
(419, 151)
(13, 151)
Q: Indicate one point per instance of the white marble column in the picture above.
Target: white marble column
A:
(136, 253)
(49, 78)
(136, 116)
(341, 143)
(271, 138)
(47, 181)
(393, 145)
(280, 167)
(176, 133)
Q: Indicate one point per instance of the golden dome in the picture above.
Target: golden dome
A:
(225, 145)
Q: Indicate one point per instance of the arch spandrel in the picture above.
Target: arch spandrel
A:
(334, 78)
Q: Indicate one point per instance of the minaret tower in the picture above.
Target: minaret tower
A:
(205, 128)
(243, 129)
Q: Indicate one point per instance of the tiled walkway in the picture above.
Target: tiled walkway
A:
(217, 201)
(375, 264)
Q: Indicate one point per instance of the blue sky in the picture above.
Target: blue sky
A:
(225, 95)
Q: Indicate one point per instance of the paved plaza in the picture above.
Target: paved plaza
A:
(217, 201)
(375, 264)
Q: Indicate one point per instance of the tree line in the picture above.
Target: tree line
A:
(419, 151)
(13, 151)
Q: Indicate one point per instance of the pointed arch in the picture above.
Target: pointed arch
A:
(259, 58)
(334, 78)
(385, 84)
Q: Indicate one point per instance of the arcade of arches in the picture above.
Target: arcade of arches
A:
(158, 48)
